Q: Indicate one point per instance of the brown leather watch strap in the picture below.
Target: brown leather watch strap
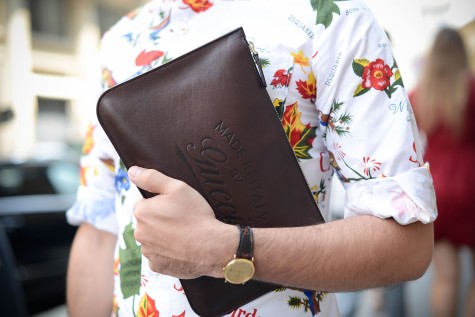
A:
(246, 242)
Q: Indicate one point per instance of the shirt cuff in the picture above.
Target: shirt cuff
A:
(93, 208)
(406, 197)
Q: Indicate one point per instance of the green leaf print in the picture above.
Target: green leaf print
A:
(296, 302)
(325, 10)
(279, 107)
(166, 59)
(264, 62)
(398, 79)
(339, 123)
(360, 91)
(318, 190)
(358, 66)
(130, 264)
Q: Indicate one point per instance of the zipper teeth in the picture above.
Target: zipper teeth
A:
(251, 47)
(257, 63)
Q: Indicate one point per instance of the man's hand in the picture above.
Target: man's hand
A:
(181, 237)
(179, 233)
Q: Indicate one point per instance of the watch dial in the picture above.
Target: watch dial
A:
(239, 271)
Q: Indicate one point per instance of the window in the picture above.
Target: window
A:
(52, 122)
(49, 17)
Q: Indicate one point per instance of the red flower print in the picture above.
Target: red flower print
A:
(147, 307)
(300, 135)
(178, 288)
(414, 159)
(181, 315)
(198, 5)
(146, 58)
(143, 281)
(281, 79)
(339, 151)
(308, 88)
(370, 164)
(377, 75)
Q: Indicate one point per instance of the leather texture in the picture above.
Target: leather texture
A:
(246, 243)
(205, 118)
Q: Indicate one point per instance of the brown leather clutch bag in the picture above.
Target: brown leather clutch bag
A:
(206, 118)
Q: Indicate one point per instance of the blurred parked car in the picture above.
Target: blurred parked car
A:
(35, 238)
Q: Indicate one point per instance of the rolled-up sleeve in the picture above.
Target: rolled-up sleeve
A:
(95, 202)
(407, 197)
(368, 123)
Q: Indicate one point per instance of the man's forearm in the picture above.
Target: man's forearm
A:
(90, 273)
(351, 254)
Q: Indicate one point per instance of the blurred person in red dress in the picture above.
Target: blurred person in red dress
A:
(444, 105)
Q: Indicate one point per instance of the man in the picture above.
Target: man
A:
(338, 90)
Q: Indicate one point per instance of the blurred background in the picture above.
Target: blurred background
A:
(48, 90)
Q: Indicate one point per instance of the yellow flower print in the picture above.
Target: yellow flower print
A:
(299, 58)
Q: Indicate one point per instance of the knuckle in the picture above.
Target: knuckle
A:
(179, 185)
(146, 253)
(147, 178)
(138, 209)
(138, 234)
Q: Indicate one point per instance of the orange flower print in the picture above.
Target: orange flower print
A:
(82, 175)
(147, 307)
(115, 306)
(181, 315)
(300, 135)
(299, 58)
(377, 75)
(308, 88)
(88, 140)
(116, 266)
(198, 5)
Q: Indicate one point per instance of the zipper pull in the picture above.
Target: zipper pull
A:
(257, 62)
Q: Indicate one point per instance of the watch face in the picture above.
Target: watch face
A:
(239, 271)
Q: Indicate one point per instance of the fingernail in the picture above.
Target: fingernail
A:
(134, 171)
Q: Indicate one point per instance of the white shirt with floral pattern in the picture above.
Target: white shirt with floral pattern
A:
(336, 86)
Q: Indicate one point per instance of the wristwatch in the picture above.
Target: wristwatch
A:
(241, 268)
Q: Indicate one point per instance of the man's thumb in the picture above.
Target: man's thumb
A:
(148, 179)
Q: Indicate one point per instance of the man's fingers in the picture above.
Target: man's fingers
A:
(150, 180)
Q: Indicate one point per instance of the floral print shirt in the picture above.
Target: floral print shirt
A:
(337, 88)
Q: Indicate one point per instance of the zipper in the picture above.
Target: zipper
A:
(262, 80)
(257, 63)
